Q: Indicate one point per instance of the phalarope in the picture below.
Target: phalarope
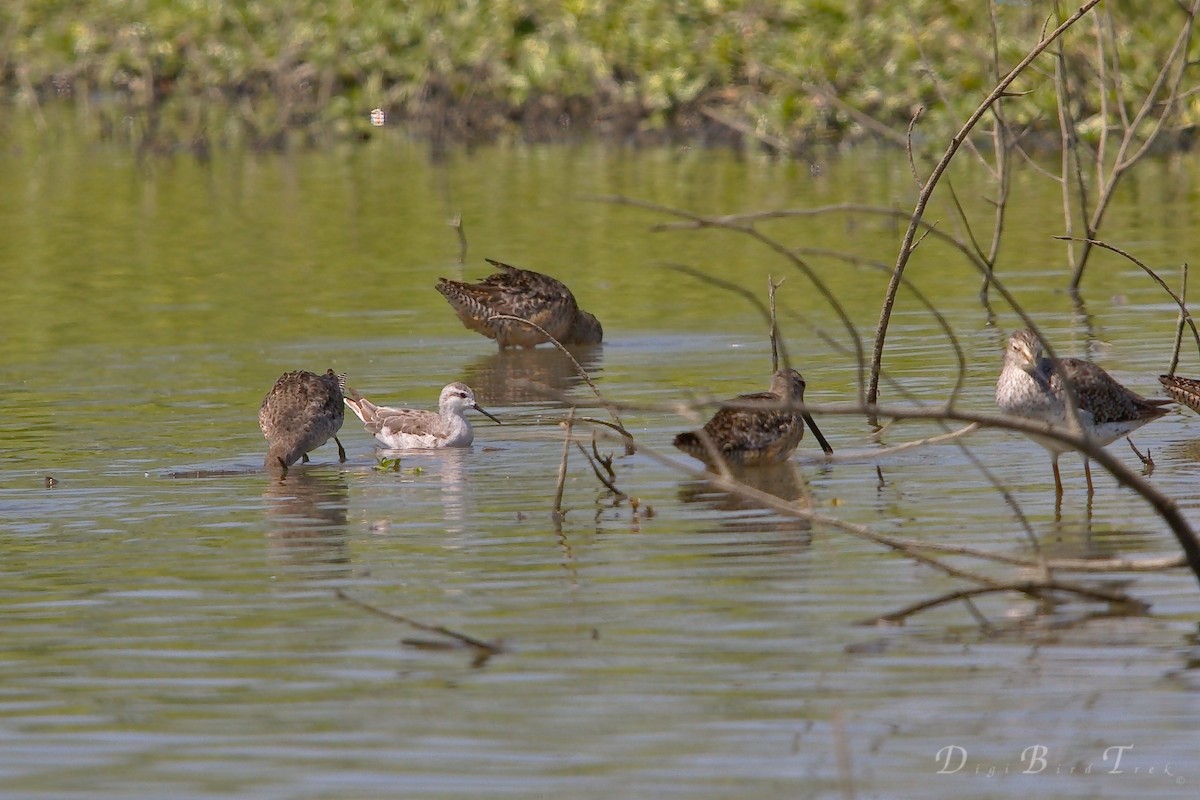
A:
(403, 428)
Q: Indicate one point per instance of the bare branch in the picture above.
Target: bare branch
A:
(582, 373)
(932, 182)
(568, 424)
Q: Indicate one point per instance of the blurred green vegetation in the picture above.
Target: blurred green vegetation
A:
(197, 73)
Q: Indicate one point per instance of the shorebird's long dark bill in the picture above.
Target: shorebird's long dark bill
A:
(812, 426)
(478, 408)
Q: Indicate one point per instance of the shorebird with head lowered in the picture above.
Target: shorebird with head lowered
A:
(1035, 387)
(302, 411)
(523, 293)
(410, 428)
(755, 429)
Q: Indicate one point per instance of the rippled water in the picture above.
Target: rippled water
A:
(170, 619)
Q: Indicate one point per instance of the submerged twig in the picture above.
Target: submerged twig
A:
(488, 648)
(1146, 460)
(1028, 588)
(609, 482)
(744, 293)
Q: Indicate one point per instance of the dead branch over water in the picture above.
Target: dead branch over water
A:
(1137, 122)
(907, 246)
(1043, 587)
(1137, 131)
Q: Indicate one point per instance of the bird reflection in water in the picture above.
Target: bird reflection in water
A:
(420, 471)
(307, 518)
(513, 376)
(742, 515)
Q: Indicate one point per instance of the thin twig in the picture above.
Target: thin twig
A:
(771, 287)
(608, 482)
(568, 424)
(491, 648)
(1028, 588)
(932, 182)
(1182, 320)
(1130, 150)
(742, 292)
(612, 409)
(1162, 284)
(749, 230)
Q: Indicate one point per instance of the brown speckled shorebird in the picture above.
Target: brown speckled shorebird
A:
(1182, 390)
(747, 436)
(302, 411)
(1031, 386)
(525, 294)
(402, 428)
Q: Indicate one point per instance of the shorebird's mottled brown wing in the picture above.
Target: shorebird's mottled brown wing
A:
(748, 436)
(1101, 394)
(543, 300)
(300, 413)
(1182, 390)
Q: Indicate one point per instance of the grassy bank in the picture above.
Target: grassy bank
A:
(782, 75)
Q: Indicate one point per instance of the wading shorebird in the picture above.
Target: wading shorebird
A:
(1032, 386)
(522, 293)
(302, 411)
(743, 435)
(405, 428)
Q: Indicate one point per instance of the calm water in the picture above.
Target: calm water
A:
(169, 635)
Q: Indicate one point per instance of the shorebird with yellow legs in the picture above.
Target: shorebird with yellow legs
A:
(1033, 386)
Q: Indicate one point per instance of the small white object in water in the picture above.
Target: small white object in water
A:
(378, 117)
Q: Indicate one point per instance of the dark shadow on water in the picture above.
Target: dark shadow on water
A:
(740, 515)
(512, 377)
(307, 522)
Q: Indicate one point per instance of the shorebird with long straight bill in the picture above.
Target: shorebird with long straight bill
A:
(1033, 386)
(755, 429)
